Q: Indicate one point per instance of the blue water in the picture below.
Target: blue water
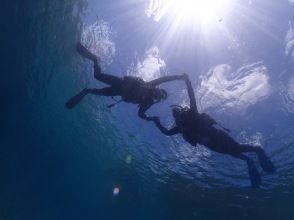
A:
(64, 164)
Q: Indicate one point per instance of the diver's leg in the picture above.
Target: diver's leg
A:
(265, 162)
(108, 91)
(253, 172)
(106, 78)
(84, 52)
(249, 148)
(76, 99)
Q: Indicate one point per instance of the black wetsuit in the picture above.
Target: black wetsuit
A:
(131, 89)
(199, 129)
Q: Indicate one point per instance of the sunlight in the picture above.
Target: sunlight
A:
(198, 10)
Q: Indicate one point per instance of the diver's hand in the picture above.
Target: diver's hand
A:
(185, 76)
(154, 119)
(182, 76)
(149, 118)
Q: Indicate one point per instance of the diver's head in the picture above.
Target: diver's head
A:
(177, 110)
(159, 94)
(180, 113)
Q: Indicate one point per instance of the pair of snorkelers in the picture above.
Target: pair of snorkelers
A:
(196, 128)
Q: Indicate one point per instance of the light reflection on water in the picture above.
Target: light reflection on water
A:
(79, 157)
(220, 89)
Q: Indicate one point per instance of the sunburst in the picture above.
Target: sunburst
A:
(200, 11)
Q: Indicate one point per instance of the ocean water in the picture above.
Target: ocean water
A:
(57, 163)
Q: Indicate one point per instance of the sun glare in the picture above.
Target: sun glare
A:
(198, 10)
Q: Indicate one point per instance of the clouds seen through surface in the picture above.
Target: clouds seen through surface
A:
(150, 67)
(97, 37)
(223, 88)
(220, 88)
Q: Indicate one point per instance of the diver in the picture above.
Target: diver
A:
(199, 128)
(131, 89)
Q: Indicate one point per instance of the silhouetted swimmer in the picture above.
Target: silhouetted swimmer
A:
(198, 128)
(131, 89)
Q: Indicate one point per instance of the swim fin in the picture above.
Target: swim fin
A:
(253, 174)
(84, 52)
(76, 99)
(265, 162)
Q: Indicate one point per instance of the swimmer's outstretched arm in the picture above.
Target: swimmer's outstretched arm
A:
(191, 94)
(164, 79)
(168, 132)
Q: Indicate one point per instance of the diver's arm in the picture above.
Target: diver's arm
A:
(164, 79)
(168, 132)
(191, 94)
(142, 110)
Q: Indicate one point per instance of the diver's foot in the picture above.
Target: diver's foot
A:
(83, 51)
(253, 174)
(265, 162)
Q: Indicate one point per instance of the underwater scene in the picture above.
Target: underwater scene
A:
(147, 109)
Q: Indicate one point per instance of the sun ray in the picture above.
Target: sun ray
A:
(195, 11)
